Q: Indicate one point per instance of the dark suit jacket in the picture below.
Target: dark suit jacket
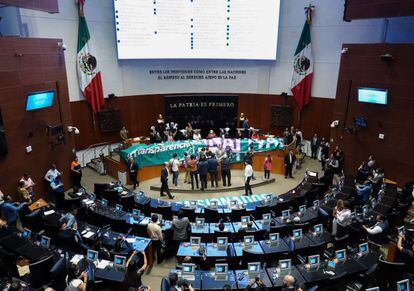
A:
(287, 159)
(133, 169)
(164, 175)
(315, 144)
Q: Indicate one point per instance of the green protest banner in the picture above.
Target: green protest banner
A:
(157, 154)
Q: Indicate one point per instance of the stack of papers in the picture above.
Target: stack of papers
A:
(49, 212)
(102, 264)
(89, 234)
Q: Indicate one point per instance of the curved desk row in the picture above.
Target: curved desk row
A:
(273, 278)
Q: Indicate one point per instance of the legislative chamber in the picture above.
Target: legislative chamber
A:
(206, 145)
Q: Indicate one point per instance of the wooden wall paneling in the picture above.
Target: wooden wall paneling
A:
(140, 112)
(42, 5)
(363, 9)
(395, 120)
(23, 74)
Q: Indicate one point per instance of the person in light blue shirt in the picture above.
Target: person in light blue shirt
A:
(11, 210)
(58, 193)
(363, 192)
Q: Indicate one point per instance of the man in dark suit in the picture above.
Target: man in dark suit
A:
(202, 171)
(164, 181)
(133, 172)
(290, 160)
(246, 128)
(213, 169)
(315, 143)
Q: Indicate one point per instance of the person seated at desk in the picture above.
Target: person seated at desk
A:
(221, 228)
(187, 260)
(256, 284)
(211, 134)
(23, 193)
(71, 237)
(363, 192)
(174, 282)
(76, 281)
(290, 284)
(134, 269)
(16, 286)
(342, 218)
(28, 183)
(70, 218)
(122, 245)
(408, 252)
(248, 228)
(58, 192)
(10, 211)
(378, 233)
(103, 252)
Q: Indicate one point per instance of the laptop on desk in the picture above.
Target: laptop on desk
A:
(221, 272)
(314, 263)
(188, 271)
(285, 267)
(253, 270)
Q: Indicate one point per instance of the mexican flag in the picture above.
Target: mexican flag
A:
(89, 75)
(303, 68)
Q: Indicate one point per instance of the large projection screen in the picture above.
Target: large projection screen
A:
(197, 29)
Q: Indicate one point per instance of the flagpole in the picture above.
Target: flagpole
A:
(81, 4)
(308, 12)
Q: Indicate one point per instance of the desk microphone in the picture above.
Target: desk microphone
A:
(252, 217)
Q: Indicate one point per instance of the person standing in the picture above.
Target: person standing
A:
(28, 183)
(155, 234)
(133, 172)
(246, 128)
(180, 227)
(342, 218)
(315, 143)
(175, 164)
(192, 165)
(187, 169)
(225, 171)
(164, 181)
(248, 174)
(324, 154)
(58, 193)
(290, 160)
(202, 171)
(267, 167)
(123, 133)
(52, 173)
(212, 169)
(76, 173)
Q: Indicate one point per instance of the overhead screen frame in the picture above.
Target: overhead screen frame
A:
(273, 59)
(386, 91)
(28, 95)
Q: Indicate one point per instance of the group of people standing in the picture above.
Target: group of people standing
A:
(197, 169)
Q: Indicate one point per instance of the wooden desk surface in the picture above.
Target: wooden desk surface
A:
(40, 203)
